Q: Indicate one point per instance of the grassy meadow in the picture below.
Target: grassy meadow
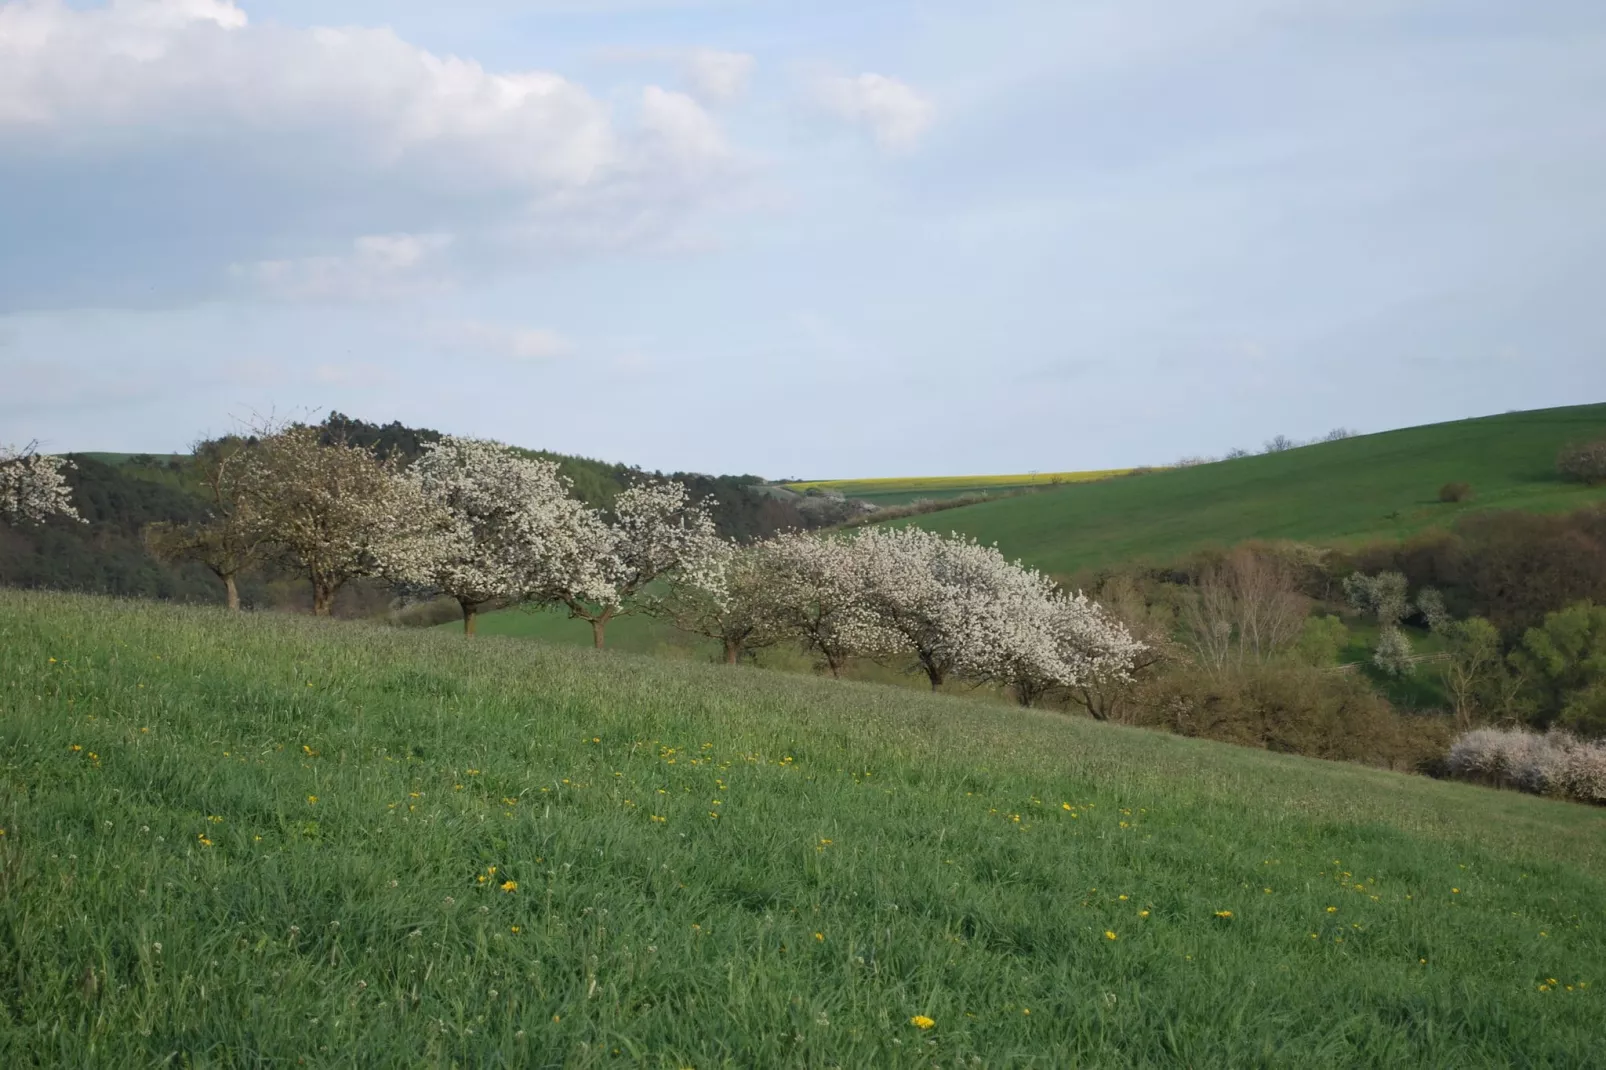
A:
(1379, 486)
(896, 490)
(272, 841)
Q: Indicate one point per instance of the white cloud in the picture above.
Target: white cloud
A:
(510, 343)
(893, 110)
(324, 130)
(379, 266)
(715, 76)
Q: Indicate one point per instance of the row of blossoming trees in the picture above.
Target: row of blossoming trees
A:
(486, 524)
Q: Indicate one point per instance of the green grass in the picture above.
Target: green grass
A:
(256, 840)
(1373, 487)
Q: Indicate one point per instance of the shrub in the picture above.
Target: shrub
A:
(1584, 462)
(1551, 764)
(1292, 709)
(1455, 492)
(1393, 653)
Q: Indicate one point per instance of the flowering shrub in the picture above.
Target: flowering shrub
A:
(1555, 763)
(33, 487)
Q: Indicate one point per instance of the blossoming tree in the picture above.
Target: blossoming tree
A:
(728, 600)
(33, 486)
(500, 524)
(817, 592)
(338, 510)
(610, 568)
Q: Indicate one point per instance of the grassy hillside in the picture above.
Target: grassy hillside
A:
(280, 841)
(1371, 487)
(897, 490)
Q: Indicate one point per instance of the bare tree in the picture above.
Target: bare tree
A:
(1278, 444)
(1246, 609)
(232, 538)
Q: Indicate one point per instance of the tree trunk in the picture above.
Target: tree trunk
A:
(733, 651)
(323, 597)
(934, 672)
(599, 628)
(232, 591)
(470, 615)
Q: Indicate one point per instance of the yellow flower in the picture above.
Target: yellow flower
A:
(1332, 910)
(510, 886)
(1455, 891)
(1108, 935)
(922, 1021)
(1223, 913)
(817, 936)
(1143, 913)
(312, 800)
(515, 928)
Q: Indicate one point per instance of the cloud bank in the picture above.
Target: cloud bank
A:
(182, 126)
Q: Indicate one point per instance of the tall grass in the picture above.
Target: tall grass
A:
(261, 841)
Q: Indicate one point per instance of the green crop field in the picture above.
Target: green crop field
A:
(898, 490)
(1371, 487)
(272, 841)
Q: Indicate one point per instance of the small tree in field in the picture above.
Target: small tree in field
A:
(921, 585)
(1452, 493)
(609, 569)
(1035, 640)
(727, 601)
(817, 594)
(501, 519)
(1584, 462)
(232, 538)
(337, 510)
(33, 487)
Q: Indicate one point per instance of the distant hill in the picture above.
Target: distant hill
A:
(1358, 489)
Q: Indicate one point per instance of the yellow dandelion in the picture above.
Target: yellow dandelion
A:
(510, 886)
(1108, 935)
(820, 937)
(514, 929)
(922, 1022)
(1143, 913)
(1223, 913)
(312, 800)
(1332, 910)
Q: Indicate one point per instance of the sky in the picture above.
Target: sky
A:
(800, 238)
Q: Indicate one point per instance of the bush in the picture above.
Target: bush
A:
(1294, 710)
(1455, 492)
(1551, 764)
(1584, 462)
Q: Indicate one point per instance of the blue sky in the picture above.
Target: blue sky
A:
(800, 239)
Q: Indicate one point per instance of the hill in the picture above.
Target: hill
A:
(281, 841)
(1381, 486)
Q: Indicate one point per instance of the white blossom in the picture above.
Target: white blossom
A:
(501, 524)
(33, 486)
(610, 567)
(818, 591)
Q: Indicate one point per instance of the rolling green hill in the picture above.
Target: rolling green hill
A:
(1369, 487)
(268, 840)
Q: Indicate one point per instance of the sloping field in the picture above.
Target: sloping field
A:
(1371, 487)
(274, 841)
(897, 490)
